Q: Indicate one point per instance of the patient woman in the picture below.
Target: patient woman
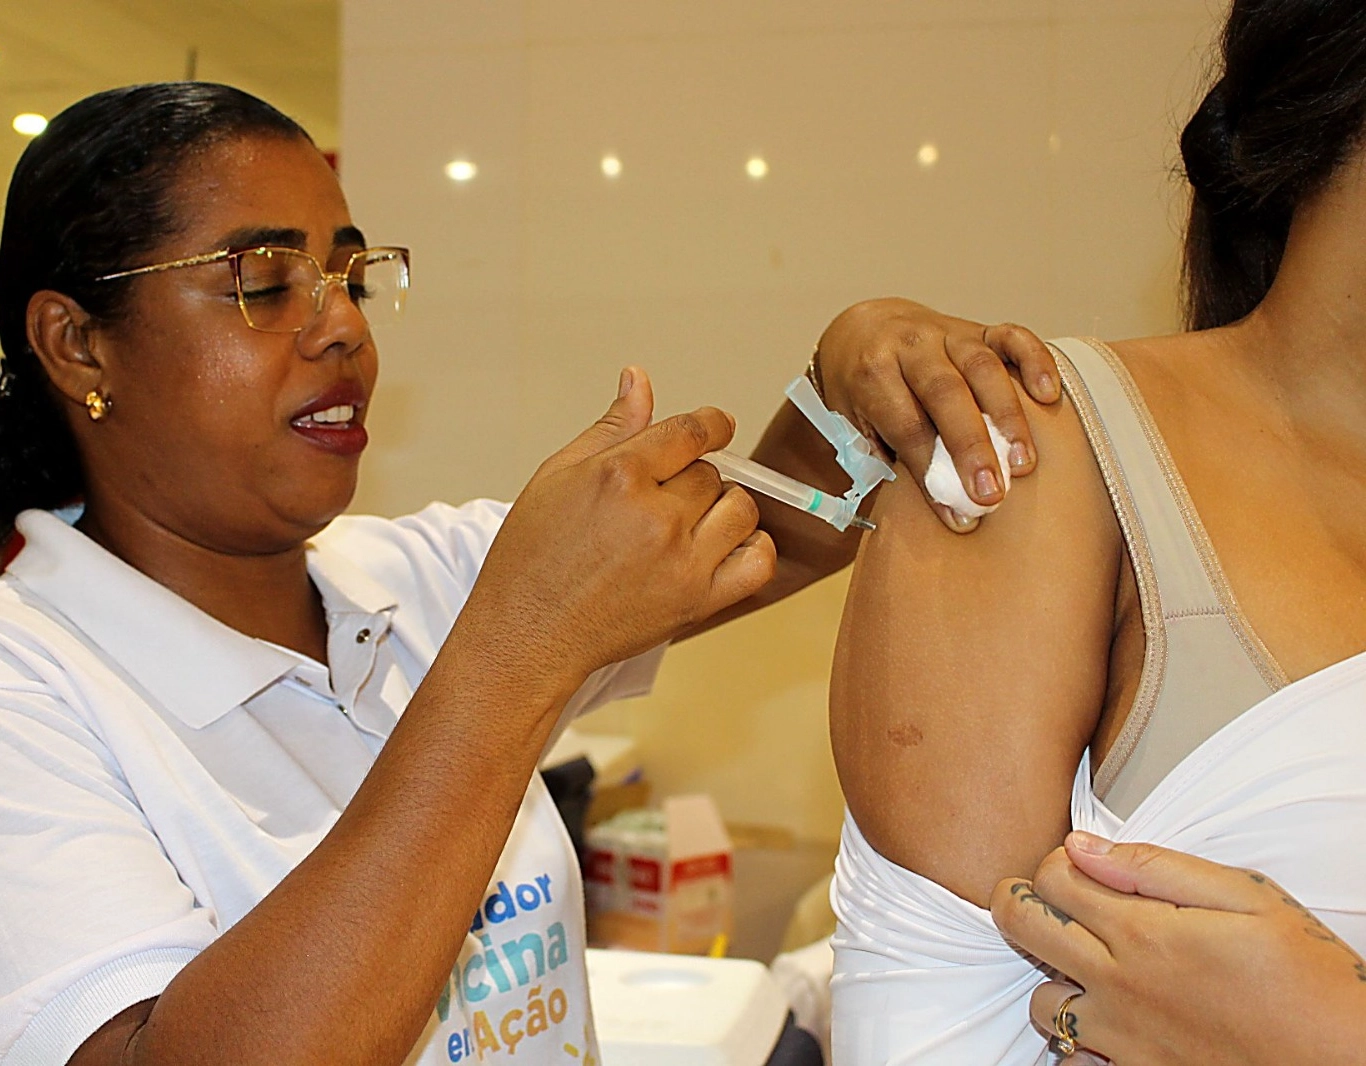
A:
(1159, 637)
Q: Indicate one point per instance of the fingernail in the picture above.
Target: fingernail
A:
(626, 382)
(1089, 843)
(986, 483)
(1047, 387)
(1019, 455)
(952, 518)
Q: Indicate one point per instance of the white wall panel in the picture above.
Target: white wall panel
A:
(535, 282)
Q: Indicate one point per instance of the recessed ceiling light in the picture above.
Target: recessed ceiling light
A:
(756, 167)
(611, 166)
(461, 170)
(928, 155)
(29, 124)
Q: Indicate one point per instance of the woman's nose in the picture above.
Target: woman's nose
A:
(338, 322)
(326, 283)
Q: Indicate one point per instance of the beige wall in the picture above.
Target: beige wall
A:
(1050, 203)
(54, 52)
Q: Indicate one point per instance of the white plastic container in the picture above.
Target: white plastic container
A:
(654, 1009)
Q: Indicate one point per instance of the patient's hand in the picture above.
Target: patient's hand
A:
(1183, 961)
(903, 372)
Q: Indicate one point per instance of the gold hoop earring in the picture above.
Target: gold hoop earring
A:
(97, 405)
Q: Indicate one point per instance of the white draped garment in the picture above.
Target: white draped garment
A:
(923, 977)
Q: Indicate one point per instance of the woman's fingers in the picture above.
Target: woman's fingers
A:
(698, 485)
(1203, 959)
(742, 573)
(954, 521)
(995, 394)
(894, 416)
(623, 539)
(668, 446)
(970, 379)
(1059, 1009)
(1033, 358)
(1173, 876)
(940, 388)
(905, 373)
(725, 524)
(1113, 917)
(724, 534)
(628, 414)
(1045, 930)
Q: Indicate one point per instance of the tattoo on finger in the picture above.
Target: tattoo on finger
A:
(1024, 892)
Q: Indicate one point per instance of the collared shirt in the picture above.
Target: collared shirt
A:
(160, 773)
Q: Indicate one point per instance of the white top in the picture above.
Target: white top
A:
(923, 977)
(161, 772)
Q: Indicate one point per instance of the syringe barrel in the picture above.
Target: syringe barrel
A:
(761, 479)
(833, 509)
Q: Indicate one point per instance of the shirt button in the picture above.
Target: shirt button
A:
(362, 636)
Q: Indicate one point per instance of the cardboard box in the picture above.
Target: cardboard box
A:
(661, 880)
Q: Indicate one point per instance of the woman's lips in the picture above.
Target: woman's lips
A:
(339, 438)
(330, 421)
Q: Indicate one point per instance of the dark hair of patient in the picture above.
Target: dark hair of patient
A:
(91, 195)
(1288, 109)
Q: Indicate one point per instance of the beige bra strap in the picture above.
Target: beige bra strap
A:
(1186, 588)
(1194, 631)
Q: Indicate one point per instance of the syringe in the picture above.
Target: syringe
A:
(837, 511)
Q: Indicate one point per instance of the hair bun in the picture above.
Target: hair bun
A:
(1209, 151)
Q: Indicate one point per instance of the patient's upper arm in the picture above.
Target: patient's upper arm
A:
(970, 670)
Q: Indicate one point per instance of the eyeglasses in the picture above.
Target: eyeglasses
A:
(281, 290)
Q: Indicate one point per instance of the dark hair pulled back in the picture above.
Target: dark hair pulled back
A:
(1288, 108)
(91, 195)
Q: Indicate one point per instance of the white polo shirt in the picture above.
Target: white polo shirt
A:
(161, 772)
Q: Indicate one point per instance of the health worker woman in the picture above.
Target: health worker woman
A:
(267, 775)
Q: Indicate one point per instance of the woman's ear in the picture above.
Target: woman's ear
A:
(59, 332)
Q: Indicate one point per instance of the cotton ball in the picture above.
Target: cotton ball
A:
(944, 485)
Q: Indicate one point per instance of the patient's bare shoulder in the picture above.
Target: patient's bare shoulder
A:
(970, 670)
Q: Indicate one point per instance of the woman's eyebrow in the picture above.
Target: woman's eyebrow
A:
(345, 236)
(256, 236)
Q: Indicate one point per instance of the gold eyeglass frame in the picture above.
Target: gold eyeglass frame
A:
(233, 257)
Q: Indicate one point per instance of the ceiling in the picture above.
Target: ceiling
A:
(54, 52)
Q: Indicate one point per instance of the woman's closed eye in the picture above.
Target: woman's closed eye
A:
(264, 293)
